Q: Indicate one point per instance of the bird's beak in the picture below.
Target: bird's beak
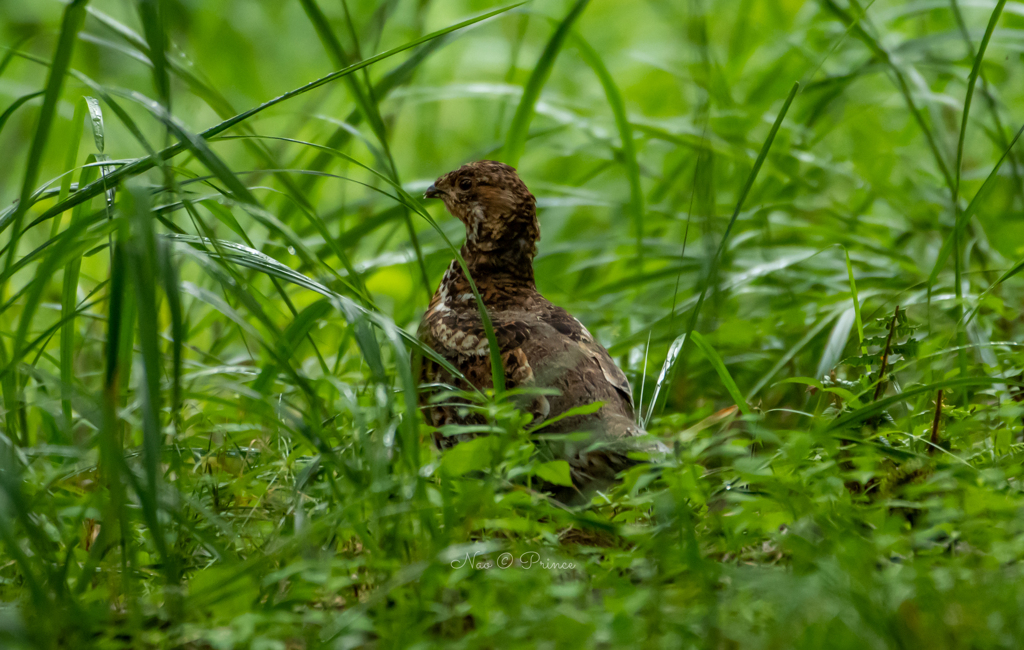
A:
(432, 192)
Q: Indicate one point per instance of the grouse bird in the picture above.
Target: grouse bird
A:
(541, 344)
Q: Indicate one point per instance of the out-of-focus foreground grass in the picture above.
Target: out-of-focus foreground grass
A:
(213, 258)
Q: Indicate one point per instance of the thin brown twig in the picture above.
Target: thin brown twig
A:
(885, 355)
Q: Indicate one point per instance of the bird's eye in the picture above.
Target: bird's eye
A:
(465, 184)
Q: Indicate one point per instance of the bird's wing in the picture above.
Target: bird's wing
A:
(539, 344)
(570, 327)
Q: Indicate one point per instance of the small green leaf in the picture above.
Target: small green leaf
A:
(96, 120)
(809, 381)
(585, 409)
(908, 349)
(556, 471)
(862, 360)
(469, 456)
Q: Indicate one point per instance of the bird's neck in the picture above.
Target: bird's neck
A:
(510, 260)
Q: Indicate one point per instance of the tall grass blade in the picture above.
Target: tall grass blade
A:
(518, 130)
(614, 97)
(723, 373)
(751, 177)
(151, 13)
(965, 215)
(958, 260)
(144, 164)
(15, 105)
(74, 16)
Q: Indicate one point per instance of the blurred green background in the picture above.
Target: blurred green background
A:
(210, 427)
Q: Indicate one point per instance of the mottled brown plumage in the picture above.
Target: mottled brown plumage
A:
(541, 344)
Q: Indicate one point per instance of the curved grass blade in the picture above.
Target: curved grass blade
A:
(972, 80)
(367, 104)
(69, 299)
(614, 97)
(340, 59)
(290, 340)
(723, 373)
(74, 17)
(12, 51)
(199, 148)
(144, 164)
(296, 191)
(751, 177)
(874, 408)
(91, 106)
(263, 263)
(518, 130)
(204, 154)
(497, 369)
(972, 207)
(151, 13)
(15, 105)
(856, 303)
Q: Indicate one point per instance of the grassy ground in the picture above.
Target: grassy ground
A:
(214, 258)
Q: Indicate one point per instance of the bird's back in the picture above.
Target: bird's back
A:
(541, 346)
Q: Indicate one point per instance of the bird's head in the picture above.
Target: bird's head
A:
(492, 201)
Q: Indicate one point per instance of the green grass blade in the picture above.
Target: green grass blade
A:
(142, 257)
(91, 106)
(340, 59)
(664, 376)
(751, 177)
(614, 97)
(341, 136)
(243, 256)
(861, 414)
(958, 260)
(290, 340)
(856, 303)
(144, 164)
(15, 105)
(151, 13)
(518, 130)
(77, 124)
(876, 48)
(199, 148)
(74, 16)
(172, 290)
(971, 209)
(792, 352)
(723, 373)
(70, 245)
(99, 136)
(368, 106)
(972, 81)
(69, 300)
(12, 51)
